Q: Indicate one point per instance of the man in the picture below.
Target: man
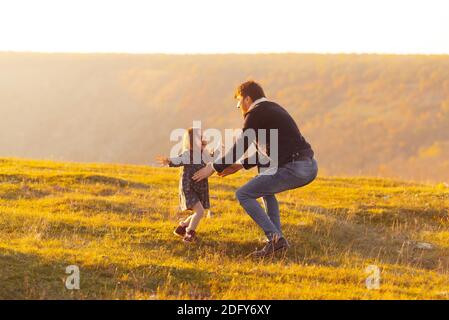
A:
(296, 166)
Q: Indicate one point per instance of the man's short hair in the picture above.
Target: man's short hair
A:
(251, 89)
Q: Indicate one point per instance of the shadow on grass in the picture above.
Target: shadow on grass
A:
(333, 237)
(29, 276)
(79, 178)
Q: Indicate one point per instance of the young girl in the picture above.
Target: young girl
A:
(192, 195)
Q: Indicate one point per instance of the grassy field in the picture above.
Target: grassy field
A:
(115, 222)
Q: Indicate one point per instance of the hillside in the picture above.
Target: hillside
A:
(376, 115)
(115, 222)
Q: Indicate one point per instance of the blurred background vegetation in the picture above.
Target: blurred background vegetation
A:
(380, 115)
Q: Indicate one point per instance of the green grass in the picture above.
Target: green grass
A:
(115, 222)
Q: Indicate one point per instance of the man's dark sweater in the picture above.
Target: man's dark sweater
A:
(269, 115)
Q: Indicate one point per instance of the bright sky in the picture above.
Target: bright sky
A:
(222, 26)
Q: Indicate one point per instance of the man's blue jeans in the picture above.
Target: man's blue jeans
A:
(289, 176)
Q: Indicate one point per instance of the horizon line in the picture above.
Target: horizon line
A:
(230, 53)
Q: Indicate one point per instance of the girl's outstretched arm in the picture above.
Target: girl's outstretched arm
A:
(163, 161)
(180, 160)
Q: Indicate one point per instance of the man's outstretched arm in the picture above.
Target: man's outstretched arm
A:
(231, 169)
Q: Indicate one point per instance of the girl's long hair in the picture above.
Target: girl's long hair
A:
(188, 139)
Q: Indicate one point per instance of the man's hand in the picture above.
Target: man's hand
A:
(203, 173)
(231, 169)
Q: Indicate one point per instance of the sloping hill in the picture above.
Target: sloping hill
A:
(115, 223)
